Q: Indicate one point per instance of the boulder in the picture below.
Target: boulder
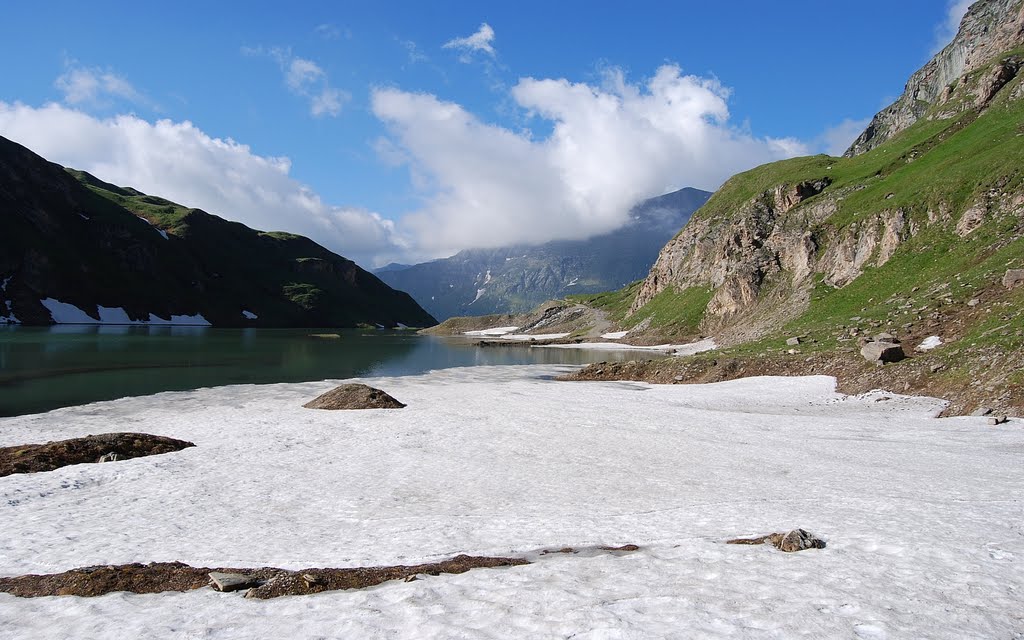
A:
(792, 342)
(882, 352)
(232, 581)
(354, 396)
(1013, 277)
(981, 411)
(994, 420)
(886, 337)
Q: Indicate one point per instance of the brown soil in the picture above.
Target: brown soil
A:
(31, 458)
(157, 577)
(978, 379)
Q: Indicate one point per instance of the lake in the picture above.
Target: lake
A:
(43, 368)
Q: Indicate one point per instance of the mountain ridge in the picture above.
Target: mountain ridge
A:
(115, 254)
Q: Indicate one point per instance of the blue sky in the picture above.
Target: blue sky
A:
(410, 130)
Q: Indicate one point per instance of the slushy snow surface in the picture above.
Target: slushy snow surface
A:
(924, 517)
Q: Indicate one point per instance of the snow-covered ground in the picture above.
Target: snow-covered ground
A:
(66, 313)
(924, 517)
(707, 344)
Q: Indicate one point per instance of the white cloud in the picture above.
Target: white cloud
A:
(479, 41)
(307, 79)
(944, 33)
(837, 139)
(610, 147)
(329, 31)
(93, 86)
(178, 161)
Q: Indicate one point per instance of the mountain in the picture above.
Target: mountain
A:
(518, 278)
(917, 232)
(75, 248)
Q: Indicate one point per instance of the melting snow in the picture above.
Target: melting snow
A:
(487, 278)
(614, 335)
(155, 228)
(526, 337)
(249, 315)
(673, 349)
(9, 317)
(922, 516)
(496, 331)
(929, 343)
(479, 292)
(65, 313)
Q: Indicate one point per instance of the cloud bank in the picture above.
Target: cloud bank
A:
(609, 147)
(176, 160)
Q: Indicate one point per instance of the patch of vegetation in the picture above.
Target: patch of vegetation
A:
(615, 304)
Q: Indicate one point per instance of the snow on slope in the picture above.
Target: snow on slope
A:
(66, 313)
(922, 516)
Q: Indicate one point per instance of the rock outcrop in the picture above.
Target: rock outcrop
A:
(354, 396)
(989, 28)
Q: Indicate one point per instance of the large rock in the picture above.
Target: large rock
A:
(795, 540)
(1013, 277)
(354, 396)
(882, 352)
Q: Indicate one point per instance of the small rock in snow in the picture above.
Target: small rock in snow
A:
(981, 411)
(232, 581)
(998, 420)
(110, 457)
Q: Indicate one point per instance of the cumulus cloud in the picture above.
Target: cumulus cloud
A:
(610, 146)
(837, 139)
(479, 41)
(307, 79)
(178, 161)
(93, 86)
(955, 12)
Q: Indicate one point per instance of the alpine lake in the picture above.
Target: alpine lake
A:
(45, 368)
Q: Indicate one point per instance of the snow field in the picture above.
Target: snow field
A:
(923, 517)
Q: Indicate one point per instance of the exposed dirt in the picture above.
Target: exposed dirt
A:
(157, 577)
(31, 458)
(980, 379)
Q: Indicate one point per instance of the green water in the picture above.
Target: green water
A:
(43, 368)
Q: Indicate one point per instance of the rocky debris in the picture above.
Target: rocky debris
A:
(107, 447)
(994, 420)
(157, 577)
(882, 352)
(795, 540)
(232, 581)
(354, 396)
(1013, 277)
(792, 342)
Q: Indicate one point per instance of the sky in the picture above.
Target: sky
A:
(406, 131)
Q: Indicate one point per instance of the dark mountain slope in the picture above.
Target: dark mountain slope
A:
(66, 235)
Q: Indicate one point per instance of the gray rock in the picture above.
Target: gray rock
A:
(981, 411)
(794, 341)
(1013, 277)
(882, 352)
(886, 337)
(998, 420)
(110, 457)
(232, 581)
(798, 540)
(354, 396)
(973, 302)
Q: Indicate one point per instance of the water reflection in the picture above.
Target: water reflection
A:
(48, 367)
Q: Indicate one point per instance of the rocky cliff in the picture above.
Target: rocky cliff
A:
(74, 248)
(989, 28)
(932, 193)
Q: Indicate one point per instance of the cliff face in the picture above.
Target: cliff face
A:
(935, 192)
(989, 28)
(76, 247)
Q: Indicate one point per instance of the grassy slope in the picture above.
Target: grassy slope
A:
(951, 163)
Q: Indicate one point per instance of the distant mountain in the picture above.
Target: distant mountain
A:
(74, 248)
(516, 279)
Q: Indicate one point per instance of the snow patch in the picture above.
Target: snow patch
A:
(614, 335)
(65, 313)
(495, 331)
(9, 317)
(929, 343)
(162, 233)
(675, 469)
(671, 349)
(487, 278)
(249, 315)
(526, 337)
(572, 283)
(479, 292)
